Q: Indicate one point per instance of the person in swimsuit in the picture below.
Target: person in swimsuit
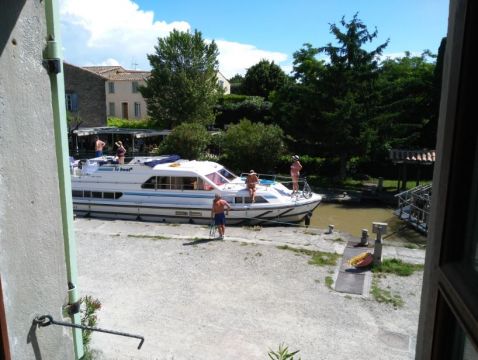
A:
(220, 208)
(120, 152)
(251, 182)
(295, 173)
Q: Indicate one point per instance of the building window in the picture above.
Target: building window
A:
(137, 110)
(111, 109)
(111, 87)
(221, 83)
(134, 86)
(71, 100)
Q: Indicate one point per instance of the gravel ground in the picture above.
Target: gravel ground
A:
(192, 298)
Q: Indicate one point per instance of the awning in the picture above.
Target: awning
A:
(136, 133)
(425, 157)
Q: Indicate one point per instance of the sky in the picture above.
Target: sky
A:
(123, 32)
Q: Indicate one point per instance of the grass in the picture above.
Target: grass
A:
(397, 267)
(319, 258)
(385, 296)
(253, 228)
(389, 185)
(329, 281)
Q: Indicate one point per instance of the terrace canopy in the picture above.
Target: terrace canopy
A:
(417, 158)
(133, 137)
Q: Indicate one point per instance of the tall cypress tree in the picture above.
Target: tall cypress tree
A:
(350, 99)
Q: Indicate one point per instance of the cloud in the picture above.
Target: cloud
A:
(236, 58)
(95, 30)
(112, 32)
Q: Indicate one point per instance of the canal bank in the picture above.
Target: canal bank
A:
(192, 297)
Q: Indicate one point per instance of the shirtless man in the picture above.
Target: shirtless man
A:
(99, 145)
(251, 182)
(219, 206)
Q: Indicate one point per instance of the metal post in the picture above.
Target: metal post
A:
(364, 238)
(380, 184)
(331, 229)
(379, 229)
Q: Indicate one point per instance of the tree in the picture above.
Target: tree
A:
(430, 130)
(405, 97)
(189, 140)
(351, 97)
(183, 83)
(247, 145)
(230, 109)
(236, 84)
(297, 106)
(263, 78)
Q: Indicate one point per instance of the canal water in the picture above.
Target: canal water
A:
(352, 218)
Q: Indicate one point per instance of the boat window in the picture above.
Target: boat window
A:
(77, 193)
(118, 195)
(259, 200)
(227, 174)
(201, 185)
(150, 183)
(217, 179)
(238, 200)
(87, 194)
(108, 195)
(97, 194)
(183, 182)
(164, 182)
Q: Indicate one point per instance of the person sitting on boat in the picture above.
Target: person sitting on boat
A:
(219, 207)
(99, 145)
(251, 182)
(120, 152)
(295, 173)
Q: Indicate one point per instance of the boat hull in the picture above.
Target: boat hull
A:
(238, 215)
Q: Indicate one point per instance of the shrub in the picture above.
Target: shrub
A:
(249, 145)
(89, 307)
(189, 140)
(130, 124)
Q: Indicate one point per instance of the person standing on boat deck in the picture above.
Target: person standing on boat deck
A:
(99, 145)
(219, 206)
(295, 173)
(251, 182)
(120, 152)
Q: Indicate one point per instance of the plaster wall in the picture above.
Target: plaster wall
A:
(32, 257)
(124, 94)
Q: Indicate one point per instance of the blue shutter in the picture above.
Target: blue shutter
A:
(74, 102)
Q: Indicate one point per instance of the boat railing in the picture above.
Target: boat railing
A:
(271, 179)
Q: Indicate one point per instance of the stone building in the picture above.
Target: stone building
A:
(85, 95)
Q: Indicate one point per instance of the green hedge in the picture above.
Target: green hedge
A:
(130, 124)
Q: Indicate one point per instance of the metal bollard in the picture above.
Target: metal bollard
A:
(364, 238)
(331, 229)
(379, 229)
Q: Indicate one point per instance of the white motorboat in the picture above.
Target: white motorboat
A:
(168, 189)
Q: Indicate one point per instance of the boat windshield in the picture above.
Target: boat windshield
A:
(217, 178)
(227, 174)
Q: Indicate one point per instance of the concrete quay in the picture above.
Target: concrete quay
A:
(193, 297)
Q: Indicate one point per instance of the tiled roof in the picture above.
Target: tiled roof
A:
(101, 70)
(412, 156)
(118, 73)
(128, 75)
